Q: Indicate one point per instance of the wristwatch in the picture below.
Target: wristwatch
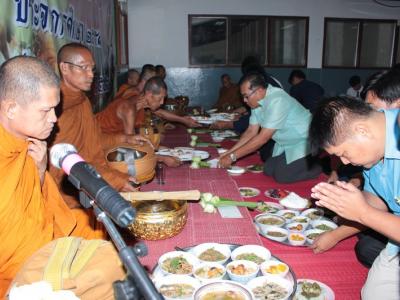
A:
(233, 157)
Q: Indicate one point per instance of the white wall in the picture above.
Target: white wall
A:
(158, 29)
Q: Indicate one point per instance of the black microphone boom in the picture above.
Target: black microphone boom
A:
(85, 178)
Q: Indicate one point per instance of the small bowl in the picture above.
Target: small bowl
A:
(221, 248)
(190, 258)
(274, 229)
(297, 239)
(265, 221)
(218, 288)
(274, 268)
(302, 219)
(243, 253)
(294, 202)
(296, 227)
(324, 225)
(313, 213)
(310, 240)
(217, 139)
(288, 214)
(235, 170)
(172, 280)
(264, 280)
(271, 207)
(209, 271)
(250, 268)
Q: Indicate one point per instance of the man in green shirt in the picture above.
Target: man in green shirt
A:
(275, 115)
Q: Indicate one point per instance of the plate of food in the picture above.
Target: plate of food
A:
(257, 168)
(208, 256)
(184, 153)
(248, 192)
(298, 231)
(295, 202)
(276, 193)
(203, 120)
(313, 289)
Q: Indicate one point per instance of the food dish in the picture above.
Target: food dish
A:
(255, 168)
(294, 201)
(255, 253)
(236, 170)
(326, 292)
(223, 289)
(274, 268)
(242, 270)
(276, 193)
(209, 271)
(212, 252)
(177, 263)
(177, 287)
(264, 286)
(248, 192)
(203, 120)
(157, 272)
(184, 153)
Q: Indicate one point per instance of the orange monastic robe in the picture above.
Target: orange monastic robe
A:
(229, 96)
(31, 215)
(77, 126)
(108, 118)
(122, 89)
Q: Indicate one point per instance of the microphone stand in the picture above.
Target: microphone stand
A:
(137, 285)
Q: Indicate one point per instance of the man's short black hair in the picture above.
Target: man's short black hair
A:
(385, 85)
(296, 73)
(155, 85)
(330, 123)
(354, 80)
(148, 71)
(224, 75)
(255, 79)
(133, 71)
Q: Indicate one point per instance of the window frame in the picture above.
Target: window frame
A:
(359, 42)
(267, 41)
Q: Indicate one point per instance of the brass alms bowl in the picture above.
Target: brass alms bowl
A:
(158, 220)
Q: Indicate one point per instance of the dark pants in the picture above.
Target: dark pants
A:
(369, 245)
(302, 169)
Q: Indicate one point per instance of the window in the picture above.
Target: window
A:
(227, 40)
(359, 43)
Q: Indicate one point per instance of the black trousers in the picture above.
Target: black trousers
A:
(370, 244)
(302, 169)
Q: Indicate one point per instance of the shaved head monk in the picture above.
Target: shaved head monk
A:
(120, 115)
(32, 211)
(132, 81)
(77, 126)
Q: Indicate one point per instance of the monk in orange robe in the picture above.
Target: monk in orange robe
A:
(32, 211)
(131, 82)
(77, 126)
(120, 116)
(229, 95)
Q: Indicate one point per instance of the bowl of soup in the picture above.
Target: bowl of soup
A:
(177, 287)
(223, 289)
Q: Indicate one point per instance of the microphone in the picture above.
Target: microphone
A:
(85, 177)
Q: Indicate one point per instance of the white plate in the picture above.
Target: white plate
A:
(235, 170)
(254, 192)
(203, 120)
(184, 153)
(328, 292)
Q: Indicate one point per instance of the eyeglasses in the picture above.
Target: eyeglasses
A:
(249, 95)
(86, 68)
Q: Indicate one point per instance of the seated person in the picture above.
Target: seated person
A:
(161, 72)
(277, 116)
(307, 92)
(355, 88)
(33, 213)
(132, 81)
(360, 135)
(229, 95)
(120, 115)
(77, 125)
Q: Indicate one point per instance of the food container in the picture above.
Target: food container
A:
(324, 225)
(242, 270)
(177, 263)
(297, 239)
(265, 221)
(274, 268)
(207, 251)
(263, 286)
(221, 290)
(209, 271)
(149, 133)
(138, 161)
(275, 233)
(177, 287)
(158, 220)
(311, 235)
(255, 253)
